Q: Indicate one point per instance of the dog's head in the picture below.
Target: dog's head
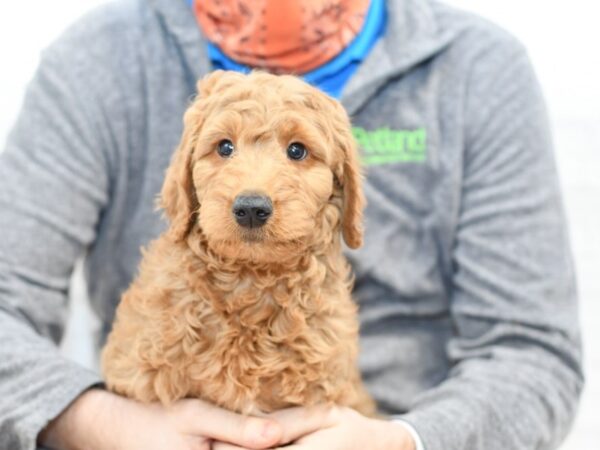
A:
(264, 165)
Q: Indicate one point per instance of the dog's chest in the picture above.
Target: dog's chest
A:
(267, 348)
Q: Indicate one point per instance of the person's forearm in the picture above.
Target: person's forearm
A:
(476, 407)
(36, 383)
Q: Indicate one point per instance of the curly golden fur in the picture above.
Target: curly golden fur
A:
(259, 319)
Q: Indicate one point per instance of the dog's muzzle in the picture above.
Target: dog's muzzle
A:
(252, 210)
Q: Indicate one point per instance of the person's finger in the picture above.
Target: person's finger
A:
(247, 432)
(225, 446)
(300, 421)
(197, 443)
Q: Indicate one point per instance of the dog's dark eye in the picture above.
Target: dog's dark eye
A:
(225, 148)
(297, 151)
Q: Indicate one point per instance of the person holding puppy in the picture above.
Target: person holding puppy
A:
(469, 331)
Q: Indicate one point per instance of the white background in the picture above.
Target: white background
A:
(563, 38)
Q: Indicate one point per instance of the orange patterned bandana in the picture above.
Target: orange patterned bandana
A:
(281, 36)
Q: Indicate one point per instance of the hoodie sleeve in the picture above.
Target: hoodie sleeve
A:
(516, 356)
(53, 185)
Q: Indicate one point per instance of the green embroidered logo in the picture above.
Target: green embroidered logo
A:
(385, 146)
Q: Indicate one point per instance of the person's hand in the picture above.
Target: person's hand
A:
(334, 428)
(99, 420)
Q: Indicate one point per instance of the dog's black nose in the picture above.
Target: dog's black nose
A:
(252, 210)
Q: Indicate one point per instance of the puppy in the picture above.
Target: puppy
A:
(245, 300)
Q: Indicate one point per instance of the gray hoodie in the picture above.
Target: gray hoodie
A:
(465, 282)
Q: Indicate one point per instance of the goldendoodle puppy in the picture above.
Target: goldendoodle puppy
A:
(245, 300)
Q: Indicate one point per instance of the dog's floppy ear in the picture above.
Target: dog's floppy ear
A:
(349, 175)
(177, 196)
(354, 200)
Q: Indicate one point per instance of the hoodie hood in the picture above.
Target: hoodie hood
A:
(413, 34)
